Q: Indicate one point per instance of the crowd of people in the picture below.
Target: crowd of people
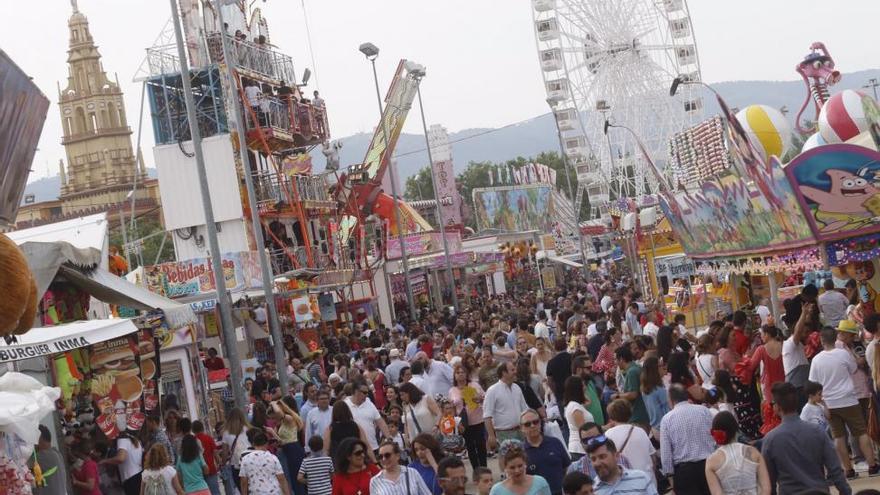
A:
(588, 389)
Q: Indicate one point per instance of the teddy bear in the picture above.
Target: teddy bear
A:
(18, 304)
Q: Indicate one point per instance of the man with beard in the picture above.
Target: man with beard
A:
(611, 478)
(582, 366)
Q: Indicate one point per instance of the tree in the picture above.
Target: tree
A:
(419, 186)
(144, 229)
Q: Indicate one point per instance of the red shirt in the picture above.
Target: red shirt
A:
(215, 363)
(740, 341)
(88, 471)
(354, 483)
(209, 447)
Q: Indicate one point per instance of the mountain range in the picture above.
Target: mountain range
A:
(531, 137)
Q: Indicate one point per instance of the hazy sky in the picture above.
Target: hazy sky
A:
(480, 54)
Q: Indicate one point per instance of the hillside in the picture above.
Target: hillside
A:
(535, 135)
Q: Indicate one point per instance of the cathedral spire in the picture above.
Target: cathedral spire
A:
(100, 163)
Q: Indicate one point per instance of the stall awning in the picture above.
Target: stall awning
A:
(109, 288)
(565, 261)
(43, 341)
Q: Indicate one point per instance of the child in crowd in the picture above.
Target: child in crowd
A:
(316, 469)
(484, 480)
(394, 432)
(814, 410)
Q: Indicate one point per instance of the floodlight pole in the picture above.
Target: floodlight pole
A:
(371, 56)
(268, 293)
(223, 302)
(450, 279)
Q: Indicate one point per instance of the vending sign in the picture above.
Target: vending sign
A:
(185, 278)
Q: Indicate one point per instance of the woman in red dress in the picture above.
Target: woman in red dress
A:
(770, 355)
(353, 472)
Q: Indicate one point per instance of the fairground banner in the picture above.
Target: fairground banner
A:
(837, 186)
(185, 278)
(423, 243)
(515, 209)
(731, 215)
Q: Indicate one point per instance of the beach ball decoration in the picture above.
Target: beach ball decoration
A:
(843, 117)
(813, 141)
(769, 130)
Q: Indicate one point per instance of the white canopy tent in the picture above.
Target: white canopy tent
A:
(77, 251)
(44, 341)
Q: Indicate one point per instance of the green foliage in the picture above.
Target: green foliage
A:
(419, 187)
(477, 174)
(144, 226)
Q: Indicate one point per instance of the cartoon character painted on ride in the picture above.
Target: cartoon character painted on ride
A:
(818, 72)
(845, 205)
(862, 272)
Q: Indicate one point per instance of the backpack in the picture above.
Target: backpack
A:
(155, 485)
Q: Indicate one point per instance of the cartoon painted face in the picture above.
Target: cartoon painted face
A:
(863, 271)
(853, 186)
(847, 193)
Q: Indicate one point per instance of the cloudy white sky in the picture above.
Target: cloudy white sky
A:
(480, 54)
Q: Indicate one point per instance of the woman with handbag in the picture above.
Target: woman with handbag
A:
(393, 474)
(421, 412)
(467, 396)
(235, 441)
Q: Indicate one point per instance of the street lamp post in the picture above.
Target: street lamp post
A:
(419, 72)
(575, 209)
(371, 51)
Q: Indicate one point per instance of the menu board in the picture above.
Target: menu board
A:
(116, 385)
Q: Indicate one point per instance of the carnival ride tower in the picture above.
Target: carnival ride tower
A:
(613, 60)
(282, 127)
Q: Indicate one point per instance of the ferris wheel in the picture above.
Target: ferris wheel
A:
(614, 60)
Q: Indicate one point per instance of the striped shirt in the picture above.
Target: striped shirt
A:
(409, 482)
(685, 435)
(317, 470)
(630, 481)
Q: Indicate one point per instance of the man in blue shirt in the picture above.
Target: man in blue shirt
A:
(612, 478)
(547, 456)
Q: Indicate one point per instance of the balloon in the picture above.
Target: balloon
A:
(768, 129)
(843, 117)
(813, 141)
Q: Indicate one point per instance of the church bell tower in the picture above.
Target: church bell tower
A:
(101, 166)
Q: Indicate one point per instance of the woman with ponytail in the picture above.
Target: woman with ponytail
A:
(735, 468)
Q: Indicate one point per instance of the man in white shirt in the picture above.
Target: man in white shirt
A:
(502, 407)
(832, 369)
(392, 371)
(319, 417)
(365, 413)
(832, 304)
(438, 377)
(794, 359)
(541, 328)
(605, 303)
